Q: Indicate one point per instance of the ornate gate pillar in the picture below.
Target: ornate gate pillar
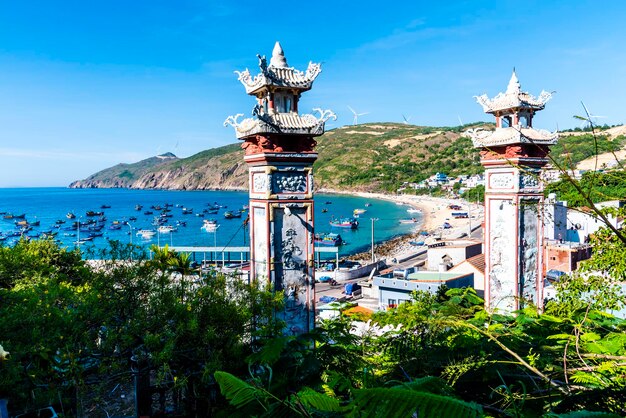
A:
(280, 151)
(513, 156)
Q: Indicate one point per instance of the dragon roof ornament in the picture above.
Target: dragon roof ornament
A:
(513, 98)
(278, 74)
(280, 123)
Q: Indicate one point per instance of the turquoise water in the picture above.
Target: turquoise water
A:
(47, 205)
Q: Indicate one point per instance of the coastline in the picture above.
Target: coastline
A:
(433, 210)
(434, 213)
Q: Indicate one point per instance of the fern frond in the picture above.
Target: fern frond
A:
(430, 384)
(394, 402)
(271, 351)
(238, 392)
(588, 379)
(319, 401)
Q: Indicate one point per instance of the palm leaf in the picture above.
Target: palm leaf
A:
(394, 402)
(238, 392)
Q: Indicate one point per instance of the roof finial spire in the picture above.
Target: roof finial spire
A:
(278, 57)
(514, 85)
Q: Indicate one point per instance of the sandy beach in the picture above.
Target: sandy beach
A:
(435, 213)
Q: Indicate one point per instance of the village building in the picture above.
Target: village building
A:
(443, 255)
(476, 266)
(393, 290)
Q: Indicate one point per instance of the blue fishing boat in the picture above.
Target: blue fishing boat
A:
(330, 239)
(348, 223)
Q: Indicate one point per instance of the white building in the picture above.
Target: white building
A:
(445, 254)
(575, 224)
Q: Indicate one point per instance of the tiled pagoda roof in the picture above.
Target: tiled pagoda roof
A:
(279, 74)
(513, 98)
(511, 135)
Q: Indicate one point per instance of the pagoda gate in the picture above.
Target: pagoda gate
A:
(513, 156)
(279, 149)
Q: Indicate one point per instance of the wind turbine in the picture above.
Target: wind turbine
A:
(406, 120)
(355, 121)
(588, 118)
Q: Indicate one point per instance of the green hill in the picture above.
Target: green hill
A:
(367, 157)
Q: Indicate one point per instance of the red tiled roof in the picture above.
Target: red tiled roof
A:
(478, 261)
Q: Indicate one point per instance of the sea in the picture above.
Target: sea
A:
(50, 206)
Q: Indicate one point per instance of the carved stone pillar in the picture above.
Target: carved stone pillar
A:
(281, 231)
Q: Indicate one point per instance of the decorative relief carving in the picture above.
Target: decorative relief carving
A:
(529, 250)
(528, 181)
(258, 143)
(288, 183)
(289, 249)
(501, 280)
(260, 182)
(501, 180)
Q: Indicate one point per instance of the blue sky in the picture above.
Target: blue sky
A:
(86, 85)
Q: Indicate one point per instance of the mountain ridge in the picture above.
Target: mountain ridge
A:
(372, 157)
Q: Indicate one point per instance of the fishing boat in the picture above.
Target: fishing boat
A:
(187, 211)
(351, 223)
(138, 207)
(105, 207)
(70, 215)
(409, 221)
(22, 216)
(412, 210)
(324, 210)
(367, 205)
(234, 214)
(359, 211)
(330, 239)
(209, 225)
(92, 213)
(166, 229)
(148, 212)
(146, 233)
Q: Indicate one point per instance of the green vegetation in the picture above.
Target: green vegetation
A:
(596, 186)
(71, 330)
(570, 150)
(476, 194)
(68, 331)
(380, 157)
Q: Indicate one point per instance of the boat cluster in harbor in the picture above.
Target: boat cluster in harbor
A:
(81, 229)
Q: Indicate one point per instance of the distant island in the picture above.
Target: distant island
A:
(373, 157)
